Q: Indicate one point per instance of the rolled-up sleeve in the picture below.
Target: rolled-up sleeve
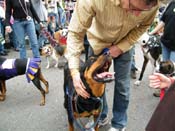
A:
(81, 20)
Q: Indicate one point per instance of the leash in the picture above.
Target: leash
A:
(47, 34)
(69, 93)
(79, 124)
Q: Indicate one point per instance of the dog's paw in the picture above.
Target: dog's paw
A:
(137, 83)
(42, 103)
(56, 66)
(47, 67)
(2, 97)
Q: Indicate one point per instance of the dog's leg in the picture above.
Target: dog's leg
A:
(71, 127)
(142, 71)
(48, 63)
(36, 82)
(153, 64)
(46, 83)
(95, 119)
(57, 62)
(3, 90)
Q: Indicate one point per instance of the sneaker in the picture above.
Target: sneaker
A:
(115, 129)
(103, 122)
(133, 74)
(89, 124)
(157, 93)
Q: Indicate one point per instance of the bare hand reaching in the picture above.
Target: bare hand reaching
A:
(158, 80)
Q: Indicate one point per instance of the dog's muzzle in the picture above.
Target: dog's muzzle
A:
(100, 65)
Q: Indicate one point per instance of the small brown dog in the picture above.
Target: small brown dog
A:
(54, 50)
(10, 68)
(61, 36)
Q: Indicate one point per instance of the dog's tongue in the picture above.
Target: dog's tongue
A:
(106, 75)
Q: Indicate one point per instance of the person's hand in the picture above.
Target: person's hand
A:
(41, 25)
(8, 29)
(158, 80)
(115, 51)
(79, 86)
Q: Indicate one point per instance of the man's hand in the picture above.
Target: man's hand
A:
(115, 51)
(79, 86)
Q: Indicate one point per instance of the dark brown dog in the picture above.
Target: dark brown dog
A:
(166, 68)
(78, 107)
(10, 68)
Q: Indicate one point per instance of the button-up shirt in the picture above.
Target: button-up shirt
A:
(106, 24)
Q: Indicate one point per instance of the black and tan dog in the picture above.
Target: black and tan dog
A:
(78, 107)
(10, 68)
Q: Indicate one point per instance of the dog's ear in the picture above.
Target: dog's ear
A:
(49, 46)
(59, 49)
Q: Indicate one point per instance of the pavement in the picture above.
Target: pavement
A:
(21, 111)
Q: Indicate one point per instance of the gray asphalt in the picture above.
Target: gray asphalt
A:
(21, 111)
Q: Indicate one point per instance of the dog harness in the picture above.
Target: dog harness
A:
(80, 104)
(32, 68)
(7, 69)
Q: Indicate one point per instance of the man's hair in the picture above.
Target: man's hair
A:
(151, 2)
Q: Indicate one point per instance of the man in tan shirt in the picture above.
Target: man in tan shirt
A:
(113, 24)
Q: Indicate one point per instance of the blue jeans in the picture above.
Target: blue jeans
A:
(2, 33)
(122, 67)
(133, 64)
(41, 37)
(1, 48)
(22, 28)
(62, 17)
(167, 53)
(13, 39)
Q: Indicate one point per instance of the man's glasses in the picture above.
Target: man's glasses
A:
(134, 8)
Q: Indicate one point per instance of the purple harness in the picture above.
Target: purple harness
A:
(6, 74)
(31, 69)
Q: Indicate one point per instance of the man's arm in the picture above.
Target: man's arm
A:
(81, 20)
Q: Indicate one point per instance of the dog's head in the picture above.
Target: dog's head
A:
(47, 50)
(147, 39)
(143, 39)
(64, 32)
(94, 66)
(166, 67)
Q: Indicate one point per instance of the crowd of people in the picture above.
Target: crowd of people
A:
(22, 20)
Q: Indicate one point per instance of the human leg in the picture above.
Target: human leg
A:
(165, 52)
(172, 56)
(30, 30)
(18, 28)
(133, 65)
(14, 40)
(122, 65)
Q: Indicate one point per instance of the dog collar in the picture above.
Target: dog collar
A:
(105, 51)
